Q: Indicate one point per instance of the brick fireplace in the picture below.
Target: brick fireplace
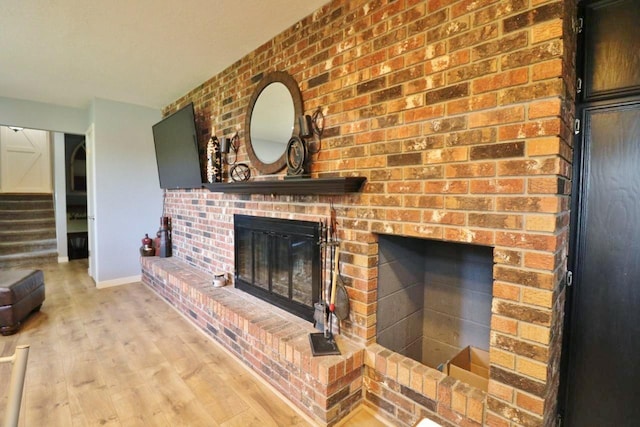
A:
(459, 114)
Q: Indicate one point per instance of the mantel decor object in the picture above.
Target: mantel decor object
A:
(163, 249)
(147, 246)
(219, 280)
(297, 159)
(214, 160)
(299, 150)
(312, 126)
(238, 172)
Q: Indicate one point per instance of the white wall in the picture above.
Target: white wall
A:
(128, 195)
(37, 115)
(128, 198)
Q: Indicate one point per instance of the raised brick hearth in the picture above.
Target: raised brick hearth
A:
(275, 344)
(459, 113)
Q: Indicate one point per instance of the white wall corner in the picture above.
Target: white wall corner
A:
(60, 194)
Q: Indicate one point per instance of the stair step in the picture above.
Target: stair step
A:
(13, 248)
(35, 259)
(25, 196)
(16, 214)
(27, 224)
(11, 235)
(25, 201)
(25, 205)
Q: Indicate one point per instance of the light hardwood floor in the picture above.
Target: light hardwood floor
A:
(123, 357)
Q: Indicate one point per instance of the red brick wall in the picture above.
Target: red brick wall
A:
(459, 113)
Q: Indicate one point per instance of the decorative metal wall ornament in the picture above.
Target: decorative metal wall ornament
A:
(299, 149)
(219, 155)
(317, 128)
(229, 147)
(214, 160)
(297, 158)
(240, 172)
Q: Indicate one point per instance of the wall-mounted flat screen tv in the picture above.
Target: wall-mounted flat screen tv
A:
(176, 141)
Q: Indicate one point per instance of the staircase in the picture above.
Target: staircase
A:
(27, 230)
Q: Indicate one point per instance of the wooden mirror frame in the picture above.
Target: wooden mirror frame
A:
(296, 96)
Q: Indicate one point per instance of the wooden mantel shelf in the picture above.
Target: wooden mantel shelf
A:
(300, 186)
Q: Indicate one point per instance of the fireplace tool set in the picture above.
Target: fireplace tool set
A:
(324, 343)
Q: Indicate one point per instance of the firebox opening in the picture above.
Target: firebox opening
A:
(434, 298)
(278, 261)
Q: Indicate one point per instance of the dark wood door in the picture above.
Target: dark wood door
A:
(602, 366)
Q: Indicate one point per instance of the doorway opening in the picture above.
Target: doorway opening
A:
(76, 199)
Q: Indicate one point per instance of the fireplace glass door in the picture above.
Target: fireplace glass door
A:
(278, 261)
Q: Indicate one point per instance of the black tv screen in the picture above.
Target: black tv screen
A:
(176, 141)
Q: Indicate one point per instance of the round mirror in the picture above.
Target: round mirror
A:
(271, 121)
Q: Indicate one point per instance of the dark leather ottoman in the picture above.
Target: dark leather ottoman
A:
(21, 293)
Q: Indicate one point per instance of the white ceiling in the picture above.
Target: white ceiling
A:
(144, 52)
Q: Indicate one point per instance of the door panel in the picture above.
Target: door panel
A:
(25, 161)
(611, 39)
(603, 368)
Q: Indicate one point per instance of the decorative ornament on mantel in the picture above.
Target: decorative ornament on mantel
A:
(297, 159)
(299, 149)
(147, 248)
(219, 153)
(237, 171)
(214, 160)
(164, 246)
(240, 172)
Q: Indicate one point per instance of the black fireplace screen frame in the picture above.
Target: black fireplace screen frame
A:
(276, 231)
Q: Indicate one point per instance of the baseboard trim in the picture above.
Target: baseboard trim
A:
(118, 282)
(63, 259)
